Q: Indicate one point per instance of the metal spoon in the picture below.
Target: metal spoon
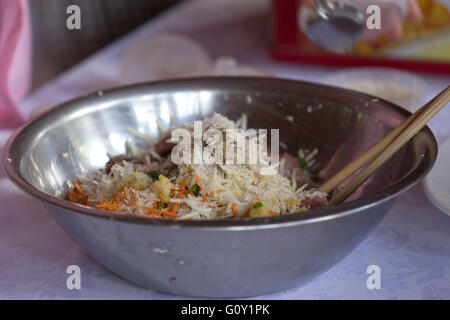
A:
(334, 25)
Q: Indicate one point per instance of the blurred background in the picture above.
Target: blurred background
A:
(408, 40)
(57, 48)
(252, 37)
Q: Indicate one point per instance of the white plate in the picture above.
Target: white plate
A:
(163, 56)
(401, 87)
(437, 183)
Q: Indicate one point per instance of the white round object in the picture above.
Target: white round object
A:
(437, 182)
(227, 66)
(163, 56)
(398, 86)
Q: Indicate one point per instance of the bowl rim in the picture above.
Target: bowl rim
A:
(316, 215)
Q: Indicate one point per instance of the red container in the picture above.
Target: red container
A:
(289, 43)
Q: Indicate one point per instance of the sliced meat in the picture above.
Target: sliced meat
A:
(162, 147)
(314, 202)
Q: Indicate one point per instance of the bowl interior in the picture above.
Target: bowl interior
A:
(77, 136)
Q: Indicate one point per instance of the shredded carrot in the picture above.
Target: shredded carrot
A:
(174, 208)
(126, 192)
(78, 197)
(181, 190)
(71, 195)
(247, 212)
(182, 186)
(233, 208)
(166, 213)
(198, 181)
(101, 198)
(108, 206)
(273, 213)
(161, 212)
(79, 189)
(205, 198)
(132, 203)
(191, 193)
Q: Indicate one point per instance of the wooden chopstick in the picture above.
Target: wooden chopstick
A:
(359, 162)
(385, 148)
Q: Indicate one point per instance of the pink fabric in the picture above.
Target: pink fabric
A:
(15, 59)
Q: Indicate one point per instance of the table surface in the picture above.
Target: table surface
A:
(411, 245)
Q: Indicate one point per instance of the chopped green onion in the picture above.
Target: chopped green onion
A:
(154, 175)
(257, 205)
(195, 190)
(303, 163)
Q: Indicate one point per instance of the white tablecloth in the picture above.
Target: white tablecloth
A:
(411, 246)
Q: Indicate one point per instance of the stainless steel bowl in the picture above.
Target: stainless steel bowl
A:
(221, 258)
